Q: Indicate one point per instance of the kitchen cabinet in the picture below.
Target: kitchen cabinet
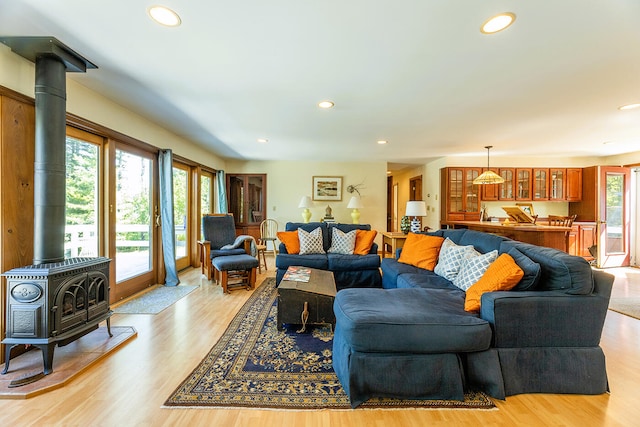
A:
(540, 184)
(574, 185)
(581, 238)
(557, 184)
(460, 199)
(535, 184)
(523, 184)
(490, 192)
(507, 187)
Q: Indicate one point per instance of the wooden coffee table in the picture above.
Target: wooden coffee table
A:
(318, 294)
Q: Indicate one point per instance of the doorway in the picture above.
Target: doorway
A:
(415, 191)
(614, 217)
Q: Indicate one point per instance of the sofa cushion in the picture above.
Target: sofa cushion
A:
(473, 268)
(531, 269)
(341, 242)
(310, 242)
(392, 269)
(418, 321)
(454, 234)
(559, 270)
(310, 226)
(341, 262)
(290, 240)
(502, 275)
(364, 240)
(421, 250)
(482, 242)
(319, 261)
(451, 258)
(428, 280)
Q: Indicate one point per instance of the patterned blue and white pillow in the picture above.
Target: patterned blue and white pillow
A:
(451, 258)
(473, 268)
(341, 242)
(310, 242)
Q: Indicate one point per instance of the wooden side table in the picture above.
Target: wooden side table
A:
(394, 240)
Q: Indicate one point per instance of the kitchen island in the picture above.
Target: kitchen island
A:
(540, 235)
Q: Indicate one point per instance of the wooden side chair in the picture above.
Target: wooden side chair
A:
(561, 221)
(268, 233)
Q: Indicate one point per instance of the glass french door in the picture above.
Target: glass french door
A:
(613, 221)
(134, 235)
(84, 194)
(181, 215)
(206, 197)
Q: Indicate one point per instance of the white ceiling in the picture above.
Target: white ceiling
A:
(417, 73)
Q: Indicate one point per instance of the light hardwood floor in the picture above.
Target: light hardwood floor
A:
(129, 387)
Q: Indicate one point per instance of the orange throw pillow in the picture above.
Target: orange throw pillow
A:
(421, 250)
(364, 240)
(290, 240)
(502, 275)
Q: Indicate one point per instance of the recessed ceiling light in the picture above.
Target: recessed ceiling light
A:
(263, 140)
(498, 23)
(629, 107)
(325, 104)
(165, 16)
(382, 142)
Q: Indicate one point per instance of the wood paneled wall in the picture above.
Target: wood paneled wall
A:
(17, 156)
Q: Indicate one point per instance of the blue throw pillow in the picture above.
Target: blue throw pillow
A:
(531, 270)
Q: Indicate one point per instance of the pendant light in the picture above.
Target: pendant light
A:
(489, 176)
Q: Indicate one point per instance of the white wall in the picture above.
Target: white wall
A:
(288, 182)
(18, 74)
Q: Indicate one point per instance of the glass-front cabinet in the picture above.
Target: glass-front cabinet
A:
(540, 184)
(247, 196)
(523, 184)
(557, 184)
(506, 188)
(461, 198)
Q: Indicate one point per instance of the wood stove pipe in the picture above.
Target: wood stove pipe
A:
(49, 191)
(53, 59)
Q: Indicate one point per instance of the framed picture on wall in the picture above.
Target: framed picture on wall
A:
(327, 188)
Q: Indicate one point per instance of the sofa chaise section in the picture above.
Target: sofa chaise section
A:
(404, 343)
(544, 333)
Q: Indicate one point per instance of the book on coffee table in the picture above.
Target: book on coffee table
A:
(297, 274)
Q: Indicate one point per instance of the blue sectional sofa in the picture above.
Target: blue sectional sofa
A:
(414, 339)
(350, 271)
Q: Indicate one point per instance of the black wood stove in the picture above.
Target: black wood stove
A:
(55, 304)
(53, 301)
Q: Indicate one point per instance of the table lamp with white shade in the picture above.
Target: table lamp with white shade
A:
(415, 209)
(355, 204)
(306, 203)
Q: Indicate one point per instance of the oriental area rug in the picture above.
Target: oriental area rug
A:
(254, 365)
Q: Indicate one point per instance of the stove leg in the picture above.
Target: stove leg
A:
(8, 349)
(109, 326)
(47, 357)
